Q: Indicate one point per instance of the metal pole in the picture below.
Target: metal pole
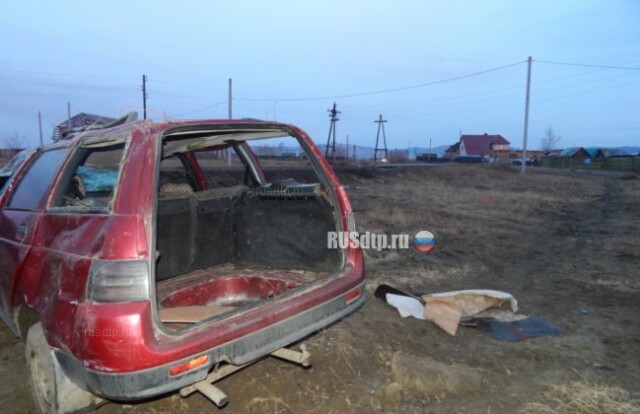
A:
(523, 167)
(144, 96)
(347, 147)
(40, 128)
(227, 152)
(429, 150)
(230, 98)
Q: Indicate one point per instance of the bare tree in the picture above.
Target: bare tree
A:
(12, 141)
(550, 140)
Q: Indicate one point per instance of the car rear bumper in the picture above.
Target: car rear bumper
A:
(154, 381)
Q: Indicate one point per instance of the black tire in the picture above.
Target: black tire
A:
(53, 391)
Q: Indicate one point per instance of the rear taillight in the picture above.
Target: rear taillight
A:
(189, 365)
(118, 281)
(353, 295)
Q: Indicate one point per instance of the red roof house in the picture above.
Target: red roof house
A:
(484, 145)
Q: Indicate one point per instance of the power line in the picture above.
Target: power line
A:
(586, 65)
(199, 109)
(66, 75)
(379, 92)
(620, 85)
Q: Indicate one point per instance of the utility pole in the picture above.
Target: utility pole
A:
(380, 123)
(523, 167)
(144, 96)
(40, 128)
(230, 99)
(331, 139)
(429, 149)
(230, 104)
(68, 117)
(347, 147)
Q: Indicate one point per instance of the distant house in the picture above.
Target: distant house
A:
(453, 151)
(594, 152)
(79, 121)
(427, 157)
(553, 153)
(8, 153)
(530, 154)
(494, 148)
(485, 145)
(615, 152)
(575, 152)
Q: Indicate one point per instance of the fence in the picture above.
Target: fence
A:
(631, 164)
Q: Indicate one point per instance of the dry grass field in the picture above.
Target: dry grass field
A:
(566, 245)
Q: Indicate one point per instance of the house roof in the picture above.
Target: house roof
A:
(453, 148)
(615, 152)
(482, 144)
(593, 151)
(83, 119)
(571, 151)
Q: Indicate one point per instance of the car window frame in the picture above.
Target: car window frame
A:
(74, 159)
(24, 170)
(8, 186)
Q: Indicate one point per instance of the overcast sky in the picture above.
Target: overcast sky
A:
(93, 54)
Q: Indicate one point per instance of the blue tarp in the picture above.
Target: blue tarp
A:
(98, 179)
(531, 327)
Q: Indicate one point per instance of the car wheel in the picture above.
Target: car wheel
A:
(53, 391)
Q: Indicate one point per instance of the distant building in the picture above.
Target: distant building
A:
(594, 152)
(79, 121)
(530, 154)
(8, 153)
(485, 145)
(615, 152)
(574, 152)
(427, 157)
(453, 151)
(553, 153)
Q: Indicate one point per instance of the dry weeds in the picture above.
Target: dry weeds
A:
(584, 398)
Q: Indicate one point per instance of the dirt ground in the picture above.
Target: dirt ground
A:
(566, 245)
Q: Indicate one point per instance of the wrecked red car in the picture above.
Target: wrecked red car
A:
(149, 258)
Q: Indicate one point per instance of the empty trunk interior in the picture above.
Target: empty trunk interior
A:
(223, 248)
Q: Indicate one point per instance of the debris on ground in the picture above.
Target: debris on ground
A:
(447, 309)
(478, 308)
(531, 327)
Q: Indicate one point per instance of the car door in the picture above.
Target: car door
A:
(24, 203)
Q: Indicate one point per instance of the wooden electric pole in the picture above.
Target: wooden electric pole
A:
(523, 167)
(331, 139)
(230, 104)
(347, 147)
(144, 96)
(40, 128)
(380, 123)
(230, 98)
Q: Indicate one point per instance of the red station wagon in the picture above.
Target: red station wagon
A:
(149, 258)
